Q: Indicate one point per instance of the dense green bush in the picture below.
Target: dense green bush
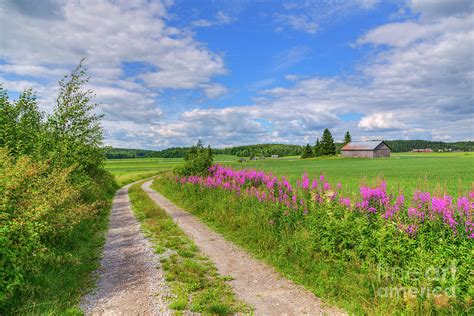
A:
(52, 183)
(197, 161)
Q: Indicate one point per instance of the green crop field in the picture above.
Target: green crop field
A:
(130, 170)
(438, 172)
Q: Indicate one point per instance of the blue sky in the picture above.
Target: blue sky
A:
(240, 72)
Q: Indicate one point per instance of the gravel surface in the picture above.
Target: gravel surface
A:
(254, 282)
(130, 279)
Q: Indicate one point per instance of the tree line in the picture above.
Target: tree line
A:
(322, 147)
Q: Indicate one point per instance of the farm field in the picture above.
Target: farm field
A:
(452, 173)
(129, 170)
(351, 245)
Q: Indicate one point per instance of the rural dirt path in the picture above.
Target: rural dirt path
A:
(253, 281)
(130, 280)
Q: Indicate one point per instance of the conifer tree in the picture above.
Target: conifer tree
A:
(307, 152)
(327, 143)
(317, 148)
(347, 138)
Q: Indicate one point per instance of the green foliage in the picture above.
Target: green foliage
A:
(317, 148)
(307, 152)
(347, 138)
(191, 276)
(262, 150)
(197, 161)
(21, 126)
(75, 130)
(327, 146)
(345, 257)
(408, 145)
(52, 187)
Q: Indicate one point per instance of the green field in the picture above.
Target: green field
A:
(130, 170)
(437, 172)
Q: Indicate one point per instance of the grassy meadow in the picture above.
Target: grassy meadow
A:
(130, 170)
(370, 252)
(447, 172)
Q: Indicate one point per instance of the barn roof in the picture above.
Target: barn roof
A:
(367, 145)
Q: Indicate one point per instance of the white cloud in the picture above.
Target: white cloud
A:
(291, 56)
(380, 121)
(213, 91)
(298, 22)
(223, 18)
(134, 31)
(440, 8)
(308, 15)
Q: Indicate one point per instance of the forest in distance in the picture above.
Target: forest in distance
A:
(282, 150)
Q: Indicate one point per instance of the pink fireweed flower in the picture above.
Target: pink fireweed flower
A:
(339, 185)
(314, 184)
(321, 178)
(326, 186)
(469, 229)
(305, 181)
(464, 205)
(345, 202)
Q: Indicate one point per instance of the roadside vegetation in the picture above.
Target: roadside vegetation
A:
(55, 198)
(193, 279)
(371, 252)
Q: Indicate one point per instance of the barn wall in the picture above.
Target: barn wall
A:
(357, 153)
(382, 153)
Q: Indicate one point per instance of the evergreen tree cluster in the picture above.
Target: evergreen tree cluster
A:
(323, 147)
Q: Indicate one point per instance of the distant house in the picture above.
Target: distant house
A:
(424, 150)
(368, 149)
(274, 156)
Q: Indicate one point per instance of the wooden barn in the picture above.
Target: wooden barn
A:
(368, 149)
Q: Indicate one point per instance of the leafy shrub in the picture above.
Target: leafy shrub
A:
(38, 205)
(197, 161)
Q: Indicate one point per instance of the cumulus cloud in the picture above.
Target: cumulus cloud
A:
(380, 121)
(440, 8)
(45, 41)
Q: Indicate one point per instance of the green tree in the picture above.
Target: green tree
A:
(317, 148)
(74, 127)
(197, 161)
(21, 124)
(327, 144)
(307, 152)
(347, 138)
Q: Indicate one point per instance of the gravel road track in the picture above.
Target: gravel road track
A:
(130, 280)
